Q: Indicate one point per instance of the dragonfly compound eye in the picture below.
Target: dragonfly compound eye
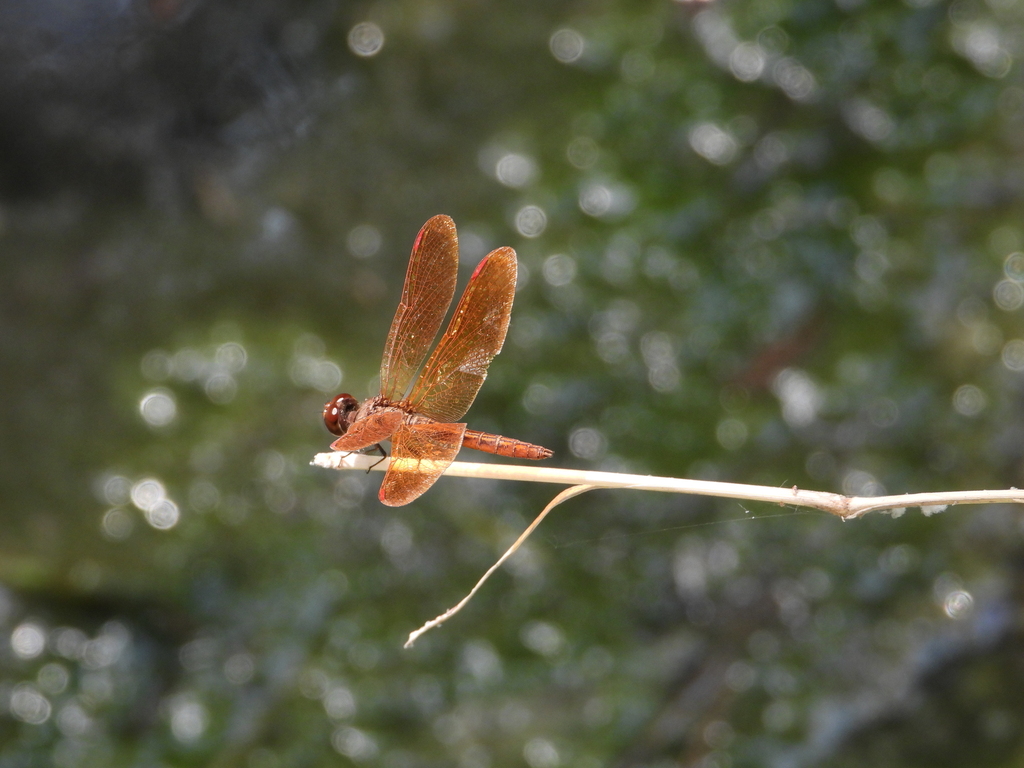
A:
(336, 413)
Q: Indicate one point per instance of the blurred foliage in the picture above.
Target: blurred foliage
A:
(774, 242)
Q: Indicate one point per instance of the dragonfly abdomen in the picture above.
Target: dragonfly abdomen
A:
(503, 446)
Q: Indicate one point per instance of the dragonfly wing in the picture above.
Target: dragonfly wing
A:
(426, 296)
(455, 372)
(370, 431)
(420, 453)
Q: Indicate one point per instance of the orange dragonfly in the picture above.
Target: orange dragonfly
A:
(421, 422)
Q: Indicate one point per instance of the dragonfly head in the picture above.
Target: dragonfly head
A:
(338, 412)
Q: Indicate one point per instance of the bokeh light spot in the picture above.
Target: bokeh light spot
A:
(595, 200)
(313, 371)
(800, 397)
(957, 604)
(366, 39)
(117, 490)
(747, 61)
(1013, 355)
(582, 152)
(637, 66)
(29, 705)
(158, 408)
(354, 744)
(531, 221)
(1008, 295)
(1013, 266)
(600, 199)
(516, 170)
(397, 539)
(203, 496)
(567, 45)
(239, 668)
(714, 144)
(364, 241)
(857, 482)
(106, 649)
(969, 400)
(587, 443)
(740, 676)
(188, 364)
(28, 640)
(73, 721)
(221, 388)
(69, 642)
(53, 678)
(559, 269)
(164, 515)
(146, 493)
(731, 434)
(482, 661)
(339, 703)
(539, 399)
(189, 718)
(541, 753)
(794, 79)
(868, 120)
(277, 225)
(231, 357)
(542, 637)
(117, 524)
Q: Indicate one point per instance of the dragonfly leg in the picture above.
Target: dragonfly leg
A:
(383, 455)
(377, 447)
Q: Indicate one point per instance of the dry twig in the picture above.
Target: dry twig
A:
(843, 507)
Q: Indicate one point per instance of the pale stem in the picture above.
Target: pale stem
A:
(844, 507)
(568, 493)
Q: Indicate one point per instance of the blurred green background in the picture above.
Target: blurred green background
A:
(774, 242)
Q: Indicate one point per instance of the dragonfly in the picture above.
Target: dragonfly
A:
(421, 414)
